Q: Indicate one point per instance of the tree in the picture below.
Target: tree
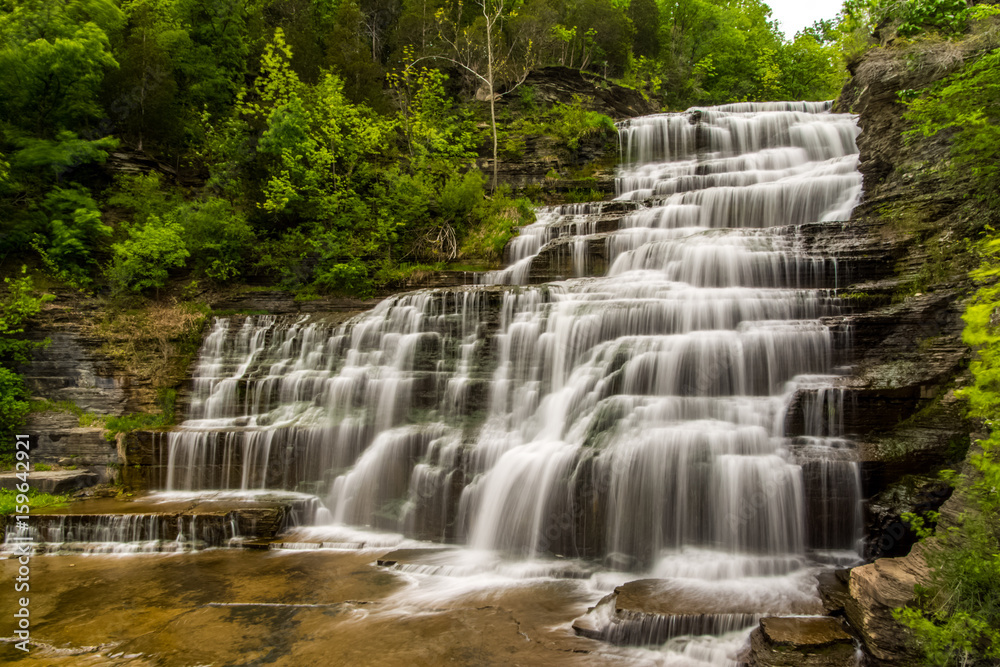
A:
(479, 50)
(809, 70)
(645, 18)
(53, 57)
(144, 259)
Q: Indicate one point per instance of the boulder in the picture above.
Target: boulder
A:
(800, 641)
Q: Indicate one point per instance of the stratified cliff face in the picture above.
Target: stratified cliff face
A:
(910, 358)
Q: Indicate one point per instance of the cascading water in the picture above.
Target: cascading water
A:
(635, 419)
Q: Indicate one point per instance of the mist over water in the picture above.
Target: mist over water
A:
(634, 421)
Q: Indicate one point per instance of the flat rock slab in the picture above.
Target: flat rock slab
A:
(800, 641)
(409, 556)
(651, 611)
(52, 481)
(210, 518)
(236, 607)
(815, 631)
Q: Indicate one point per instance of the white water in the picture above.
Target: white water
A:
(634, 419)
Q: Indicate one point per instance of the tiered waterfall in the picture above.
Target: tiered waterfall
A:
(621, 394)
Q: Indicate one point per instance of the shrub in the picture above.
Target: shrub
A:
(74, 230)
(143, 260)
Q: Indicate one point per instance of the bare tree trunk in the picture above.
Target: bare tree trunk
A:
(489, 79)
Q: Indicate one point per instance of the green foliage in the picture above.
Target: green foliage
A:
(496, 221)
(13, 410)
(143, 260)
(52, 62)
(436, 130)
(569, 123)
(221, 241)
(810, 69)
(573, 122)
(966, 104)
(74, 229)
(948, 16)
(136, 421)
(17, 305)
(142, 195)
(36, 500)
(956, 618)
(38, 159)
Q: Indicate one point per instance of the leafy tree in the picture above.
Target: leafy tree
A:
(143, 260)
(74, 229)
(17, 306)
(53, 57)
(315, 142)
(645, 18)
(52, 62)
(435, 129)
(221, 240)
(809, 70)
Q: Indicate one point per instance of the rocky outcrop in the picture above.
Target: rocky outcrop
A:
(908, 356)
(800, 641)
(173, 522)
(71, 366)
(875, 590)
(543, 166)
(651, 611)
(565, 85)
(52, 481)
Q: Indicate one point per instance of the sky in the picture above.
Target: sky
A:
(797, 14)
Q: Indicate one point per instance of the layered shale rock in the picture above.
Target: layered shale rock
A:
(800, 641)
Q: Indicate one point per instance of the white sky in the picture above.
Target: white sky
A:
(793, 15)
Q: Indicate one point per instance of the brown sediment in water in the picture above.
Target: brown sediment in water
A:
(231, 607)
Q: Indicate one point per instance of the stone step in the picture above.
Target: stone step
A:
(211, 519)
(648, 612)
(797, 641)
(52, 481)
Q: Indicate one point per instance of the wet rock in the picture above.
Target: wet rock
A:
(833, 590)
(168, 521)
(888, 534)
(408, 557)
(52, 481)
(282, 302)
(651, 611)
(875, 590)
(819, 641)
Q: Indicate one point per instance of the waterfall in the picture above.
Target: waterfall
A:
(636, 418)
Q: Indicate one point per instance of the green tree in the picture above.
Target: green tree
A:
(143, 260)
(809, 70)
(74, 230)
(645, 18)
